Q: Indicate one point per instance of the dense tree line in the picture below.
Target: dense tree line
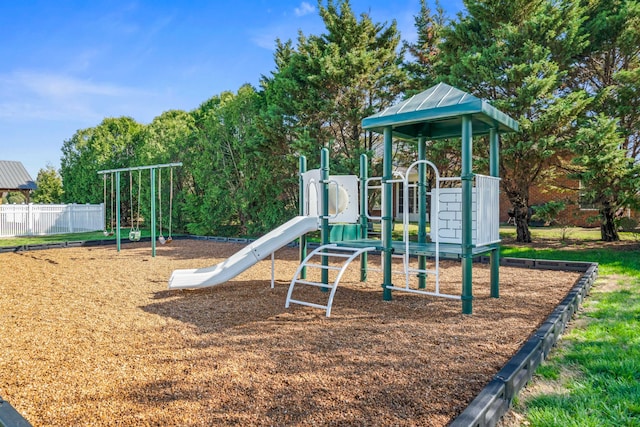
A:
(568, 71)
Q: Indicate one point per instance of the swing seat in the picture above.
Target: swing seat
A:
(134, 235)
(105, 232)
(169, 240)
(162, 240)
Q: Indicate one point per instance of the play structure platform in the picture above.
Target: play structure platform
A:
(444, 250)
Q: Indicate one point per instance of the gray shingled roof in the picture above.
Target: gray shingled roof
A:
(13, 176)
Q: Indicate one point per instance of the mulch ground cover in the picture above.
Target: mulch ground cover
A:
(89, 336)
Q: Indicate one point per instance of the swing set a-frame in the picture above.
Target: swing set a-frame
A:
(115, 202)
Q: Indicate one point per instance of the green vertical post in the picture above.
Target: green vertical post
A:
(467, 232)
(387, 213)
(118, 210)
(422, 209)
(152, 174)
(364, 175)
(494, 170)
(324, 229)
(301, 209)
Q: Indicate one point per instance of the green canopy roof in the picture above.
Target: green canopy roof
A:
(437, 113)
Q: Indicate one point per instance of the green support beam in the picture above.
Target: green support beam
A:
(494, 170)
(152, 177)
(364, 175)
(467, 231)
(118, 210)
(387, 213)
(301, 209)
(422, 209)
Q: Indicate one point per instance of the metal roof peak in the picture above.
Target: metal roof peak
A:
(437, 113)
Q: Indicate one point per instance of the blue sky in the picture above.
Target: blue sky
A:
(66, 65)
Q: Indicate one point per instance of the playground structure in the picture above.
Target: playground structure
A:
(463, 220)
(115, 202)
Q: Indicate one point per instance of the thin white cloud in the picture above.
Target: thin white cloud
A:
(38, 95)
(60, 86)
(287, 28)
(304, 9)
(266, 37)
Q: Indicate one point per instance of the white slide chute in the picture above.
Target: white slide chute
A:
(244, 258)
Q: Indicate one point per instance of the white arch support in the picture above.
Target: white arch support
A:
(346, 254)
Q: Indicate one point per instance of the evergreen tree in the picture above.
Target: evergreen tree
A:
(424, 53)
(49, 185)
(324, 86)
(422, 69)
(166, 141)
(225, 173)
(517, 55)
(610, 179)
(608, 69)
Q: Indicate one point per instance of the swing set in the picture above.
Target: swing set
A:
(112, 224)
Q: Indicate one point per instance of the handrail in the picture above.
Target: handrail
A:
(434, 221)
(366, 191)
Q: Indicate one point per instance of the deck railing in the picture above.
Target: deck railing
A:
(487, 210)
(485, 217)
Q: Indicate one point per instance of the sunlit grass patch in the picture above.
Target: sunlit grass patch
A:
(606, 353)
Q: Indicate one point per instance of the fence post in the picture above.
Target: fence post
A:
(30, 219)
(70, 213)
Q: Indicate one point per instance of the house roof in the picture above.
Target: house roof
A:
(437, 113)
(14, 177)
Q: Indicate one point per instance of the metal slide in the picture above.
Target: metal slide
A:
(244, 258)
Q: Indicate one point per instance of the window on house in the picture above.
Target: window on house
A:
(413, 202)
(583, 200)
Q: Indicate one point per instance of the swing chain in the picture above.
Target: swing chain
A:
(113, 212)
(169, 239)
(134, 234)
(104, 182)
(139, 197)
(161, 239)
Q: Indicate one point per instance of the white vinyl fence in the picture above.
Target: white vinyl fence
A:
(39, 220)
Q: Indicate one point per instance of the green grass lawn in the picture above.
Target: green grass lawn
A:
(593, 377)
(73, 237)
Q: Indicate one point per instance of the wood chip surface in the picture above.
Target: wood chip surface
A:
(89, 336)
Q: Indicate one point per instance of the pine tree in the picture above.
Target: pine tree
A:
(326, 84)
(517, 55)
(424, 53)
(49, 185)
(608, 68)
